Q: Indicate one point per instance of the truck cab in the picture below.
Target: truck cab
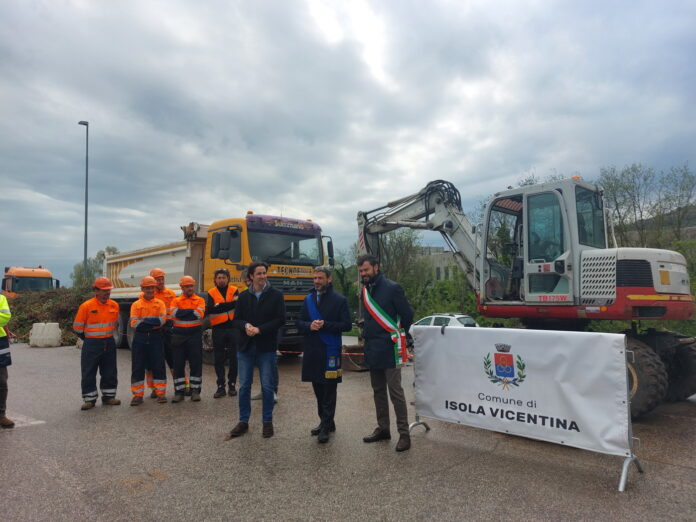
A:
(20, 280)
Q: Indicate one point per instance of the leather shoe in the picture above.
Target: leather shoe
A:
(112, 401)
(267, 431)
(87, 405)
(136, 400)
(240, 429)
(377, 435)
(6, 423)
(323, 436)
(232, 391)
(315, 431)
(404, 443)
(219, 393)
(178, 398)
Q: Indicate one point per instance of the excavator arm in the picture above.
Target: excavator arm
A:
(436, 207)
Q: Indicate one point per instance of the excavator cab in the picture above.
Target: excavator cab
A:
(533, 238)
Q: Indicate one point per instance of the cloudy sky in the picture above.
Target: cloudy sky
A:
(318, 109)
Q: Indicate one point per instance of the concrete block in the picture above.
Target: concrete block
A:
(44, 335)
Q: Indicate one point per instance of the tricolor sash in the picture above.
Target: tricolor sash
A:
(393, 327)
(331, 341)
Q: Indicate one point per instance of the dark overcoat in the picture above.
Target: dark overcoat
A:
(333, 307)
(379, 347)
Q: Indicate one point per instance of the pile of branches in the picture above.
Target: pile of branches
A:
(51, 306)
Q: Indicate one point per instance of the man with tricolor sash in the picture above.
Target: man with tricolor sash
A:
(387, 317)
(323, 317)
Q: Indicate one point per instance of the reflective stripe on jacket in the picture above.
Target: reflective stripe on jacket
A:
(152, 313)
(196, 305)
(214, 293)
(96, 320)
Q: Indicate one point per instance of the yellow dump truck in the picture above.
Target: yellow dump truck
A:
(21, 279)
(291, 247)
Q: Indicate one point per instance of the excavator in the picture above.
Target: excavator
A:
(541, 255)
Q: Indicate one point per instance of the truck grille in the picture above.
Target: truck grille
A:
(634, 272)
(288, 285)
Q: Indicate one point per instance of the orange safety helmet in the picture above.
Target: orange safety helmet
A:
(187, 280)
(157, 272)
(147, 281)
(102, 283)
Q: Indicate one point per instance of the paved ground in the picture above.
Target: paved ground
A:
(170, 462)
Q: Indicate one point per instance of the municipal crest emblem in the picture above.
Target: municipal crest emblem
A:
(505, 369)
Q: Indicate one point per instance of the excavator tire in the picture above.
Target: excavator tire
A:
(647, 378)
(682, 374)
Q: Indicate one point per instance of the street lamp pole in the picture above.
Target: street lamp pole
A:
(84, 259)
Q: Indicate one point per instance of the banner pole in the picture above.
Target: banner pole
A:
(417, 422)
(624, 471)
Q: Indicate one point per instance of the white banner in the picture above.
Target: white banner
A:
(564, 387)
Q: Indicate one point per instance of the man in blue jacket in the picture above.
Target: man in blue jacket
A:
(387, 317)
(324, 316)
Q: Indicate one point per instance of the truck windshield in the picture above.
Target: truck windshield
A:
(590, 217)
(31, 284)
(283, 248)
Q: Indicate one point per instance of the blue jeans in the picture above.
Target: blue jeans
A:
(265, 361)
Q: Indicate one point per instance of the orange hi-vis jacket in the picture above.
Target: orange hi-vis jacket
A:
(166, 296)
(214, 293)
(96, 320)
(148, 315)
(187, 314)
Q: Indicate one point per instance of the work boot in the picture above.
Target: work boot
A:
(111, 401)
(161, 399)
(232, 391)
(178, 398)
(404, 443)
(323, 437)
(377, 435)
(267, 430)
(87, 405)
(219, 393)
(195, 396)
(153, 394)
(5, 422)
(240, 429)
(137, 400)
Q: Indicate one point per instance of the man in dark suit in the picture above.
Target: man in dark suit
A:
(324, 316)
(260, 312)
(387, 316)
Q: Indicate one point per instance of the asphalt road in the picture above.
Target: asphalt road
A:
(170, 461)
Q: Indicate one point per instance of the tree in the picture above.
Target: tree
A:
(95, 268)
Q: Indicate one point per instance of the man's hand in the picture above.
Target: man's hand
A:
(316, 325)
(251, 330)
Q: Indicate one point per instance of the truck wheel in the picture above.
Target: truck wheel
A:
(119, 334)
(682, 374)
(207, 343)
(647, 378)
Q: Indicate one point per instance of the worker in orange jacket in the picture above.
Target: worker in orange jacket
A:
(166, 295)
(147, 317)
(95, 322)
(220, 310)
(187, 342)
